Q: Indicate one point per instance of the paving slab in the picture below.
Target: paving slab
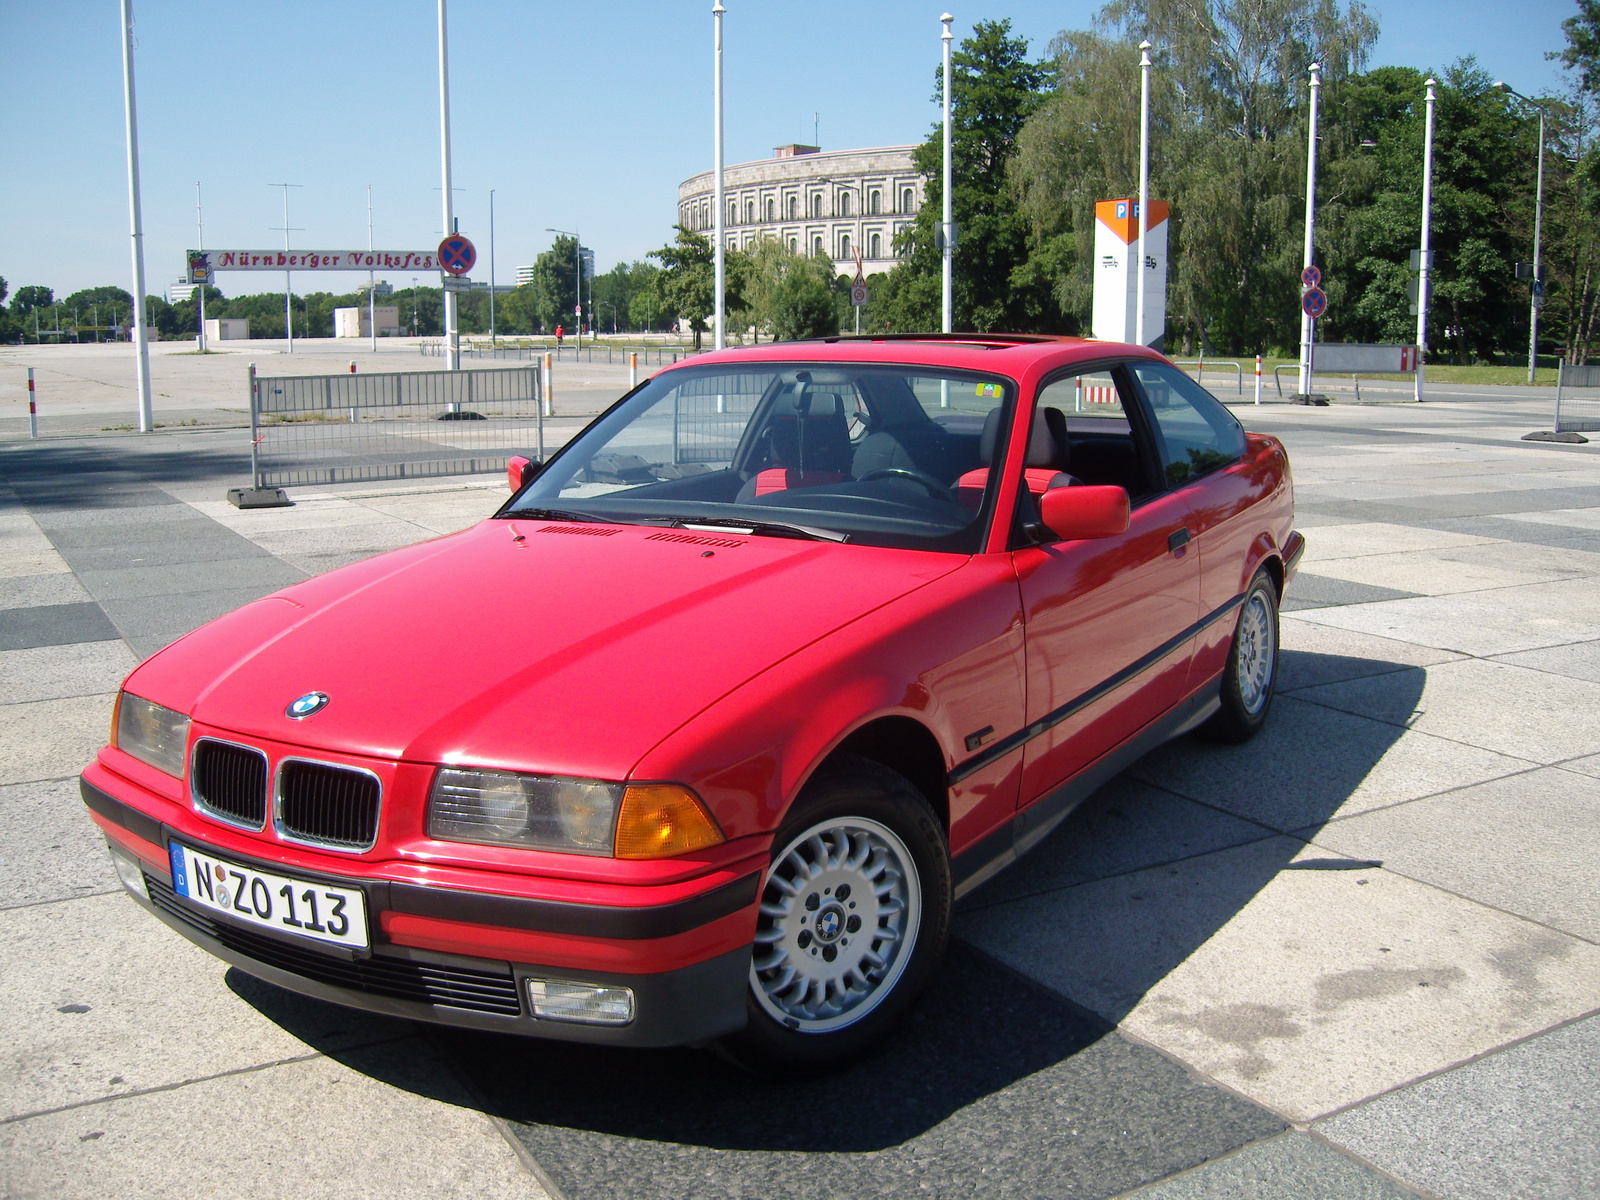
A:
(51, 850)
(992, 1087)
(1525, 844)
(1275, 969)
(101, 999)
(1312, 763)
(1312, 654)
(1589, 765)
(51, 739)
(169, 617)
(30, 591)
(26, 563)
(387, 1121)
(177, 579)
(379, 534)
(1578, 661)
(1476, 625)
(53, 625)
(1508, 709)
(1352, 539)
(1523, 1123)
(1577, 518)
(1310, 590)
(1291, 1166)
(1433, 572)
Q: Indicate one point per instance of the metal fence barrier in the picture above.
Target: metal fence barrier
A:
(1577, 399)
(324, 429)
(1200, 370)
(659, 355)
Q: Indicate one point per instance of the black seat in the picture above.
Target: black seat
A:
(807, 444)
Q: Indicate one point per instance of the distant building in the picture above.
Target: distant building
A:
(227, 329)
(524, 276)
(177, 293)
(837, 202)
(356, 322)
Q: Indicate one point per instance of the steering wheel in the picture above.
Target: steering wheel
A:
(928, 481)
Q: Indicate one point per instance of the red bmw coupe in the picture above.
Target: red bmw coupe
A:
(699, 737)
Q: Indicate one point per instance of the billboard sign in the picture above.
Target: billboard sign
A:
(321, 260)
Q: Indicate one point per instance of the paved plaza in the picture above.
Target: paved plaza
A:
(1356, 958)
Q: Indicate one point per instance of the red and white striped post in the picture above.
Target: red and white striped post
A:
(633, 369)
(1258, 379)
(352, 366)
(33, 409)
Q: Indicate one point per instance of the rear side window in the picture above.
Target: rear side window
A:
(1198, 434)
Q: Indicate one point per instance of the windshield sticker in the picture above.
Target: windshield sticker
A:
(987, 389)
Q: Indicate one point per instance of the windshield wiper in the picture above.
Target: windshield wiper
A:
(762, 528)
(554, 514)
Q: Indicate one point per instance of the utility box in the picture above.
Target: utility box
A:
(357, 322)
(227, 329)
(1116, 273)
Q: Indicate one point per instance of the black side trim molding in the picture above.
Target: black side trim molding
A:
(1051, 719)
(592, 920)
(125, 815)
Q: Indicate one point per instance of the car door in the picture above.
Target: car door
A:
(1107, 621)
(1202, 455)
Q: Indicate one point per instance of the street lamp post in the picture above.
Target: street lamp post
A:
(451, 330)
(947, 221)
(719, 323)
(492, 341)
(1144, 184)
(372, 281)
(136, 223)
(1424, 266)
(288, 276)
(1308, 325)
(1536, 291)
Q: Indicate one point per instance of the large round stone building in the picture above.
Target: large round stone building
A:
(839, 203)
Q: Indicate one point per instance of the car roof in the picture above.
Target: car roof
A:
(1002, 353)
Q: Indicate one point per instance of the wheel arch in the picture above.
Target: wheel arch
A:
(907, 746)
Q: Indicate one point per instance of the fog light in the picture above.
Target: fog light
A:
(585, 1003)
(130, 872)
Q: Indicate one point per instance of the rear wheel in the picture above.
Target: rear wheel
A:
(1251, 676)
(853, 921)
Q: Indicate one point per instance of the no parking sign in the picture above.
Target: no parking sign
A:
(457, 254)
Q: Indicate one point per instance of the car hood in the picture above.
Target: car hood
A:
(563, 648)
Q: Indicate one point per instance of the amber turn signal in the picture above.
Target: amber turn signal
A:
(659, 820)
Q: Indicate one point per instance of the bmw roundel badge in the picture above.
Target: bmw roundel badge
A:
(311, 702)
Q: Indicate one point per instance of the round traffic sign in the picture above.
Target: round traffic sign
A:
(1314, 302)
(1311, 277)
(457, 254)
(858, 294)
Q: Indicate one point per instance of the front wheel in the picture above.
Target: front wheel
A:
(1251, 676)
(853, 920)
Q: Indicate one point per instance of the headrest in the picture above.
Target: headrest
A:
(1047, 442)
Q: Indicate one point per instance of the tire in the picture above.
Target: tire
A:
(861, 851)
(1251, 676)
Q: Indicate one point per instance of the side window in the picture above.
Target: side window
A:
(1102, 445)
(1198, 434)
(1090, 395)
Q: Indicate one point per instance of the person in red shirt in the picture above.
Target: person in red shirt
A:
(559, 332)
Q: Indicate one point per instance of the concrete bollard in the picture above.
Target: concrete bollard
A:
(1258, 379)
(548, 388)
(33, 409)
(633, 369)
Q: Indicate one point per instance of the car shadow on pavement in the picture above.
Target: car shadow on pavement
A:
(990, 1064)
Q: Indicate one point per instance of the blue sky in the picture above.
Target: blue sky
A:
(579, 116)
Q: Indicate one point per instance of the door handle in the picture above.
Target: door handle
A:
(1177, 540)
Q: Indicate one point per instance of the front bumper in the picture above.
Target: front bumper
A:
(692, 1003)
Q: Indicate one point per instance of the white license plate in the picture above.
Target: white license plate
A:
(294, 906)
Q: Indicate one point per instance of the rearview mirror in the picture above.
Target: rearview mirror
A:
(1088, 511)
(520, 471)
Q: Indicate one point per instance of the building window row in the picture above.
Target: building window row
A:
(697, 215)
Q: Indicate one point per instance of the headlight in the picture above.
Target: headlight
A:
(583, 816)
(496, 807)
(152, 734)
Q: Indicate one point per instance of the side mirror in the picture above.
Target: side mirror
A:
(1086, 511)
(521, 471)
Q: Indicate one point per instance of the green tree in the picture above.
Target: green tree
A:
(687, 281)
(994, 89)
(802, 302)
(554, 287)
(29, 298)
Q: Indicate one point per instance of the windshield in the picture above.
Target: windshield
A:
(878, 455)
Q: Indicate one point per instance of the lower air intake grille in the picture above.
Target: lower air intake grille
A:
(402, 979)
(231, 781)
(330, 806)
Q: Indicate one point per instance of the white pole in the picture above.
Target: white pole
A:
(372, 281)
(200, 244)
(1144, 185)
(492, 341)
(1423, 265)
(141, 345)
(1535, 298)
(719, 321)
(451, 332)
(1307, 325)
(947, 222)
(1258, 379)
